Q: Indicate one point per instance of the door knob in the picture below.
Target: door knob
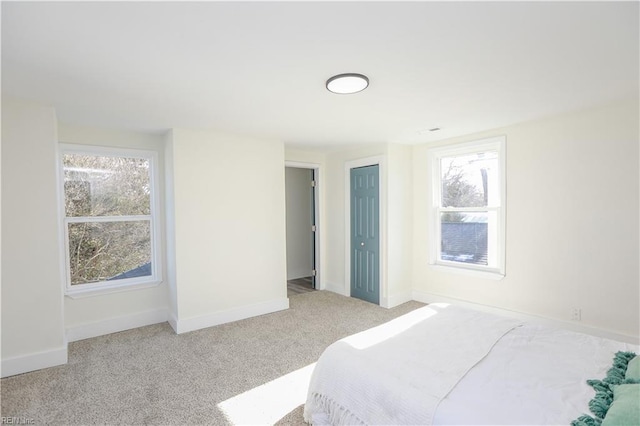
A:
(362, 243)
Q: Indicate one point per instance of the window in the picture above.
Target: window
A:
(109, 218)
(467, 215)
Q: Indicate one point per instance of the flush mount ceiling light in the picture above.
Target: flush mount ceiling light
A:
(344, 84)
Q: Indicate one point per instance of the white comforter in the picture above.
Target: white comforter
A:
(399, 372)
(534, 375)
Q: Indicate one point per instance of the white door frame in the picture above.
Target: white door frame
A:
(378, 160)
(320, 285)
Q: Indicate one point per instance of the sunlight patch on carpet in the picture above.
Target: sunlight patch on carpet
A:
(268, 403)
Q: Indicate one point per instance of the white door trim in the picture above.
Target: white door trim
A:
(378, 160)
(318, 195)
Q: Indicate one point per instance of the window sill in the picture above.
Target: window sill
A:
(99, 290)
(491, 275)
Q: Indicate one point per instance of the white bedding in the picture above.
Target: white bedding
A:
(388, 365)
(532, 375)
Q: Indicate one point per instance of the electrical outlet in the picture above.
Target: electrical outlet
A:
(576, 314)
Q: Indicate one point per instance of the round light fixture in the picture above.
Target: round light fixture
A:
(345, 84)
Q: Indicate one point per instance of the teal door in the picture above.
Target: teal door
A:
(365, 235)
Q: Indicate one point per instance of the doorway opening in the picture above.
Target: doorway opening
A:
(302, 220)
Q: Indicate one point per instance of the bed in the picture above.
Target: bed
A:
(443, 364)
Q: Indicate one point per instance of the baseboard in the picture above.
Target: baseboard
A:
(397, 299)
(230, 315)
(114, 325)
(390, 302)
(173, 322)
(426, 297)
(35, 361)
(336, 288)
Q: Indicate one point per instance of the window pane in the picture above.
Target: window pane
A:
(470, 180)
(106, 186)
(103, 251)
(464, 237)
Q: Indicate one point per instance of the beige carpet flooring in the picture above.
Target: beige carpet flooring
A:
(150, 375)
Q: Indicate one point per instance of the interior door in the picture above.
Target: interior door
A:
(365, 235)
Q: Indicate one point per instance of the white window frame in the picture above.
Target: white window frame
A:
(433, 214)
(105, 287)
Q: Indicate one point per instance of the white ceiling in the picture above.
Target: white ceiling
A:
(260, 68)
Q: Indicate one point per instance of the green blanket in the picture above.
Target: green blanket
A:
(604, 388)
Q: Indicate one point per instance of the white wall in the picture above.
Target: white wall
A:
(299, 201)
(302, 156)
(228, 224)
(32, 290)
(399, 224)
(572, 221)
(102, 314)
(170, 234)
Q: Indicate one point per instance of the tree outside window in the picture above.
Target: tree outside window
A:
(109, 221)
(468, 213)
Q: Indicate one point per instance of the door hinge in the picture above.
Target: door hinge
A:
(313, 183)
(313, 273)
(313, 228)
